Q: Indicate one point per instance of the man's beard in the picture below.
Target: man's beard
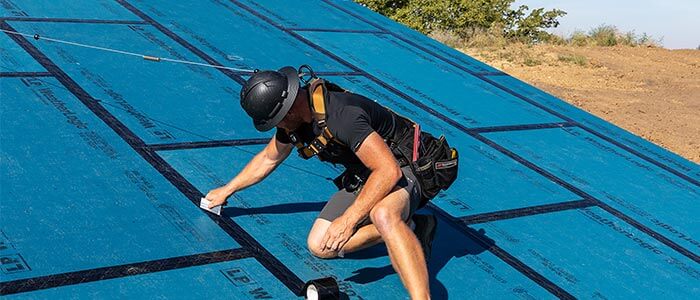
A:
(294, 121)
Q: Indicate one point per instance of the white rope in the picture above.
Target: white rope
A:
(143, 56)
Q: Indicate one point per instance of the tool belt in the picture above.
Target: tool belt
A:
(432, 160)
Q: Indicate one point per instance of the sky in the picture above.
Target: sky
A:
(676, 22)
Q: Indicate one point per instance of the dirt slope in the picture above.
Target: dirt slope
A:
(652, 92)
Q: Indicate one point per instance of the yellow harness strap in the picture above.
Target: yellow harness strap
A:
(318, 92)
(317, 103)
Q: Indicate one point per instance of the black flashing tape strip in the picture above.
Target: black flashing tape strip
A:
(520, 96)
(521, 127)
(111, 272)
(66, 20)
(525, 211)
(497, 73)
(339, 73)
(207, 144)
(25, 74)
(181, 41)
(338, 30)
(503, 255)
(479, 137)
(531, 273)
(519, 266)
(271, 263)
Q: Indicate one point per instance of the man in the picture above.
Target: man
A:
(377, 196)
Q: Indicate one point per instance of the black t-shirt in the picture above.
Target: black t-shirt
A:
(350, 118)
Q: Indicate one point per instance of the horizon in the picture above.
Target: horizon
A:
(676, 33)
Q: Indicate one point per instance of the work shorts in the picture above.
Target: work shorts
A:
(341, 200)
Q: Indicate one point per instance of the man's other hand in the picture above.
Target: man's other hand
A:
(218, 196)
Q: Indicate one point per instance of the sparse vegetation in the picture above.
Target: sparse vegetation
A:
(579, 39)
(531, 61)
(604, 35)
(608, 35)
(574, 59)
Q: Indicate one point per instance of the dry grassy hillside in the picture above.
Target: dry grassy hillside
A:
(652, 92)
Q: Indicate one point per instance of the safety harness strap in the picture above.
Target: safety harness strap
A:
(318, 94)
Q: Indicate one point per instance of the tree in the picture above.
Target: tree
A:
(466, 17)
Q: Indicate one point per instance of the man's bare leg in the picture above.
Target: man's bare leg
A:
(389, 225)
(404, 248)
(365, 237)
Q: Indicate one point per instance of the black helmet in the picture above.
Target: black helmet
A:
(268, 95)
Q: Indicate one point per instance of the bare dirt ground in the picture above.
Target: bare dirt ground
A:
(652, 92)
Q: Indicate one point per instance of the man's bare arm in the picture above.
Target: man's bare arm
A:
(385, 173)
(255, 171)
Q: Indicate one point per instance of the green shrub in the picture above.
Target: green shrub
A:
(647, 40)
(495, 23)
(604, 35)
(607, 35)
(579, 38)
(531, 62)
(467, 18)
(574, 59)
(554, 39)
(628, 39)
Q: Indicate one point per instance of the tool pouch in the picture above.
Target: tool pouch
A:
(436, 168)
(352, 180)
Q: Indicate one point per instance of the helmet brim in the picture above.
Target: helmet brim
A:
(292, 90)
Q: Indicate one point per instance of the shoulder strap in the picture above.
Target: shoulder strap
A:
(317, 100)
(304, 151)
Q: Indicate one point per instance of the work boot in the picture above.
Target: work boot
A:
(425, 232)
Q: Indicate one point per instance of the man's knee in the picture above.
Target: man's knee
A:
(313, 241)
(384, 218)
(316, 249)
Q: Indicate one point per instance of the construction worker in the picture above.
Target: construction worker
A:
(378, 192)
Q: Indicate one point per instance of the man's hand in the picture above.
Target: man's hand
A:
(218, 196)
(338, 233)
(256, 170)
